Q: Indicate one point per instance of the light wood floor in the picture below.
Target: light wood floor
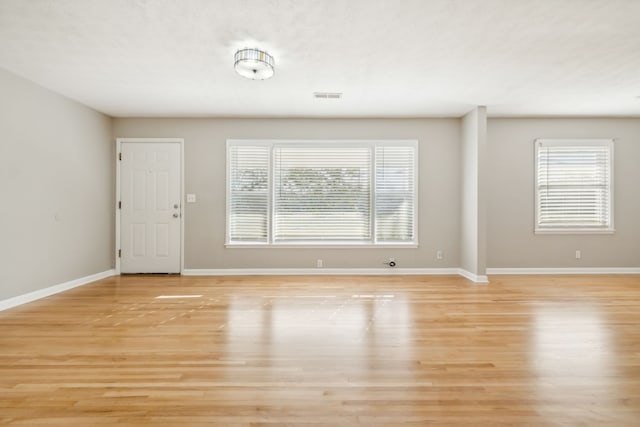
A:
(239, 351)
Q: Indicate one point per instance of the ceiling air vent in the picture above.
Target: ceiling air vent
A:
(327, 95)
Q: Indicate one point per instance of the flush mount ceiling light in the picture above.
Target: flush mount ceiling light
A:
(254, 64)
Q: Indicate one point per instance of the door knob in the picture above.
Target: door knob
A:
(176, 215)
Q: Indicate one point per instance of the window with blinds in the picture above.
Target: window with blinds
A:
(321, 192)
(248, 193)
(394, 193)
(574, 186)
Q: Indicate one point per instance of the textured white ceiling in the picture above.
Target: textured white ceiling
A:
(390, 58)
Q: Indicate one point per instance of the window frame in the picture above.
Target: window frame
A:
(574, 142)
(370, 143)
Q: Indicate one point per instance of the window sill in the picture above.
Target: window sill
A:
(319, 246)
(574, 231)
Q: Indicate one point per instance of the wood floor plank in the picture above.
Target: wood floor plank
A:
(326, 350)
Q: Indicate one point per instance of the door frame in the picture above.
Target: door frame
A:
(119, 142)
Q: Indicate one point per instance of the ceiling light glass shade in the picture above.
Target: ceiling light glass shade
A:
(254, 64)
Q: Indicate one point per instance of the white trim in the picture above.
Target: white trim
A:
(570, 270)
(317, 245)
(371, 144)
(51, 290)
(558, 142)
(115, 203)
(403, 271)
(119, 142)
(318, 271)
(575, 231)
(473, 277)
(338, 142)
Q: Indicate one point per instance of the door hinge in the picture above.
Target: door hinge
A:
(119, 253)
(119, 156)
(119, 205)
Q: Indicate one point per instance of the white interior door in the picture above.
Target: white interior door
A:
(150, 211)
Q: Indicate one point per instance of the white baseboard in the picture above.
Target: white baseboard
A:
(473, 277)
(586, 270)
(317, 271)
(51, 290)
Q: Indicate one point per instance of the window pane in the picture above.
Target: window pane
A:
(573, 185)
(395, 193)
(248, 193)
(322, 193)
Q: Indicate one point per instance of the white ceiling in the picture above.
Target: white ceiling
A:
(390, 58)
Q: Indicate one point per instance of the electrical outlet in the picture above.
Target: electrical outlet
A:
(439, 254)
(191, 198)
(578, 254)
(319, 263)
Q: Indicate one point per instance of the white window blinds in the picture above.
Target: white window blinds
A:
(248, 193)
(395, 193)
(574, 185)
(321, 192)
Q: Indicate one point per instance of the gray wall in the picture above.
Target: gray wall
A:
(56, 182)
(205, 139)
(511, 241)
